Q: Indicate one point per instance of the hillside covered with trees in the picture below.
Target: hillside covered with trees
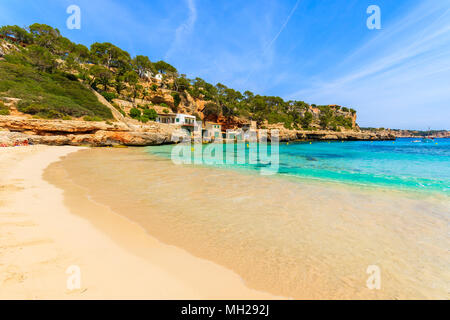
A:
(52, 75)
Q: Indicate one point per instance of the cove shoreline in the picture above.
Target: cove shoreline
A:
(42, 237)
(283, 237)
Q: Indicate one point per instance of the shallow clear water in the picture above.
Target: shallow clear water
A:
(403, 164)
(290, 237)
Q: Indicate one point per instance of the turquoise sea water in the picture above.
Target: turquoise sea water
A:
(405, 164)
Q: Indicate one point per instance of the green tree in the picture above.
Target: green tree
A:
(16, 32)
(248, 95)
(81, 53)
(135, 113)
(164, 68)
(63, 46)
(202, 88)
(133, 80)
(145, 93)
(306, 120)
(181, 83)
(131, 77)
(109, 96)
(136, 90)
(44, 35)
(41, 58)
(109, 55)
(119, 84)
(176, 99)
(71, 63)
(211, 109)
(101, 75)
(325, 118)
(150, 114)
(142, 65)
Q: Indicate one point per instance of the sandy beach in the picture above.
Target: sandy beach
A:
(289, 237)
(137, 226)
(40, 239)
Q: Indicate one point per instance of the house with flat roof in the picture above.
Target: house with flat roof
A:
(212, 131)
(186, 121)
(249, 131)
(252, 125)
(166, 118)
(176, 118)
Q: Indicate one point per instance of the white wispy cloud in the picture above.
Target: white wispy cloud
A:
(270, 44)
(183, 29)
(400, 73)
(267, 49)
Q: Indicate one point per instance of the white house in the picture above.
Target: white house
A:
(166, 118)
(149, 75)
(185, 120)
(250, 131)
(212, 130)
(249, 126)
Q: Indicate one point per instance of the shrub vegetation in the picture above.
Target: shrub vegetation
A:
(49, 88)
(4, 110)
(47, 94)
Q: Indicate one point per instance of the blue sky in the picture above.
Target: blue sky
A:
(312, 50)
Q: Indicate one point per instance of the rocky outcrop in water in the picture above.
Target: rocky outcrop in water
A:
(421, 134)
(328, 135)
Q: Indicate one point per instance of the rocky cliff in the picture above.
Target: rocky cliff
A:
(328, 135)
(78, 133)
(421, 134)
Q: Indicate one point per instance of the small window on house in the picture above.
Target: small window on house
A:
(178, 120)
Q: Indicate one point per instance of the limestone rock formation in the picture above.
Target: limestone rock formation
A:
(77, 133)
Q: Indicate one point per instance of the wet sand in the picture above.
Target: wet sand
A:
(285, 237)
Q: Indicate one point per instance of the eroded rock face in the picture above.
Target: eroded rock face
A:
(6, 47)
(348, 135)
(81, 133)
(417, 134)
(78, 133)
(327, 135)
(39, 126)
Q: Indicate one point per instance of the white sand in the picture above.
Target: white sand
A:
(40, 238)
